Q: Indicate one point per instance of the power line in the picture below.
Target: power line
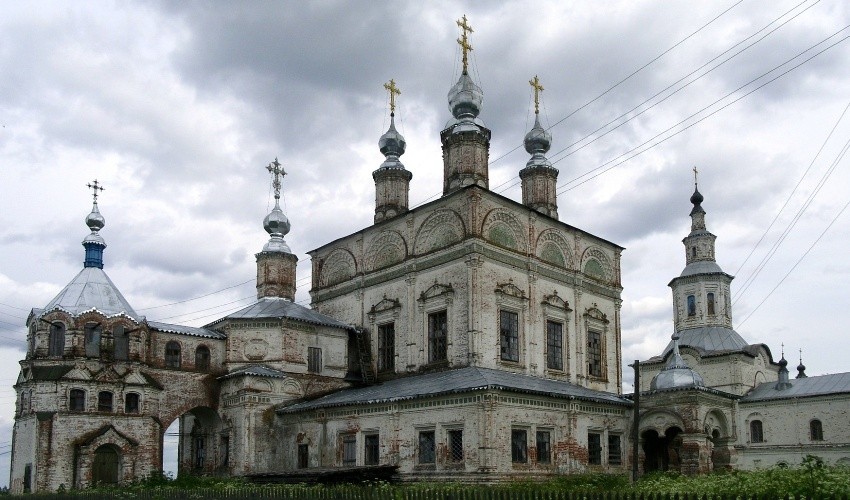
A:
(196, 298)
(208, 308)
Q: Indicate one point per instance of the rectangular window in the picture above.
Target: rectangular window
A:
(121, 343)
(77, 400)
(692, 305)
(371, 446)
(554, 345)
(509, 335)
(104, 401)
(131, 403)
(92, 333)
(314, 360)
(709, 299)
(594, 448)
(519, 446)
(303, 456)
(594, 353)
(437, 336)
(386, 347)
(615, 451)
(349, 449)
(544, 447)
(455, 444)
(426, 447)
(57, 339)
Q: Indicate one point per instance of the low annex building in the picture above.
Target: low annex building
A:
(472, 338)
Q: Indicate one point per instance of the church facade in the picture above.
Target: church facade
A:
(473, 338)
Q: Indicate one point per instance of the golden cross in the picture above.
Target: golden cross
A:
(95, 187)
(463, 41)
(394, 91)
(277, 170)
(537, 89)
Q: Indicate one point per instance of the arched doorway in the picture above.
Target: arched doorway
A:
(196, 439)
(106, 465)
(662, 453)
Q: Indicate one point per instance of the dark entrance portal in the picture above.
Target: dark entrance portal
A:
(105, 466)
(662, 453)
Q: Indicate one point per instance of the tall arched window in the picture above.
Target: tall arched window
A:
(172, 354)
(816, 430)
(56, 344)
(692, 305)
(121, 340)
(77, 400)
(709, 299)
(104, 401)
(202, 358)
(756, 432)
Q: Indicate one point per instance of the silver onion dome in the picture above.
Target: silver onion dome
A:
(95, 222)
(676, 374)
(537, 142)
(465, 100)
(277, 225)
(392, 145)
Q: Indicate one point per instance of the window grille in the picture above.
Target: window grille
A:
(594, 448)
(615, 452)
(349, 449)
(386, 347)
(509, 328)
(426, 447)
(172, 355)
(314, 359)
(372, 449)
(131, 403)
(544, 447)
(519, 446)
(437, 336)
(200, 452)
(594, 353)
(816, 430)
(554, 345)
(455, 438)
(756, 432)
(77, 400)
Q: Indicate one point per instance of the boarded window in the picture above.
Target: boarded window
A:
(202, 358)
(437, 336)
(709, 300)
(121, 342)
(756, 432)
(303, 456)
(594, 448)
(104, 401)
(816, 430)
(509, 335)
(594, 353)
(455, 444)
(172, 355)
(131, 403)
(77, 400)
(426, 447)
(349, 449)
(544, 447)
(554, 345)
(314, 360)
(92, 338)
(519, 446)
(615, 451)
(56, 345)
(371, 448)
(386, 347)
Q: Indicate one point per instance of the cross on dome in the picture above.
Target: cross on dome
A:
(463, 41)
(276, 169)
(95, 187)
(394, 91)
(696, 172)
(535, 83)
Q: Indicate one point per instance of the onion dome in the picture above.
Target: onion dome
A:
(392, 145)
(537, 142)
(465, 100)
(783, 382)
(94, 242)
(676, 374)
(276, 223)
(697, 199)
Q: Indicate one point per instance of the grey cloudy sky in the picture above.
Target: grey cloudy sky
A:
(177, 107)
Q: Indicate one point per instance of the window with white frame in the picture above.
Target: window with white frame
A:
(544, 446)
(519, 446)
(371, 449)
(554, 345)
(509, 335)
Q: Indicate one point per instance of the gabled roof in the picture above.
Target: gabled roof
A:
(255, 371)
(279, 308)
(460, 380)
(186, 330)
(821, 385)
(91, 290)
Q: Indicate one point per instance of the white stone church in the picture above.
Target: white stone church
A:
(473, 338)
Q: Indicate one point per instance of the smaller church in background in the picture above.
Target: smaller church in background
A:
(472, 338)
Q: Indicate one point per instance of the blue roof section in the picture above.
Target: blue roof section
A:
(91, 290)
(186, 330)
(821, 385)
(456, 381)
(274, 307)
(255, 371)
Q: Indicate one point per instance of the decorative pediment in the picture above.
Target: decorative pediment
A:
(594, 313)
(510, 290)
(106, 435)
(436, 290)
(108, 374)
(556, 301)
(385, 305)
(78, 373)
(23, 376)
(135, 378)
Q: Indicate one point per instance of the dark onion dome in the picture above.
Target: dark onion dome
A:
(697, 199)
(392, 145)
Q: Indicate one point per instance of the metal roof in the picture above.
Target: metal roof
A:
(456, 381)
(275, 307)
(254, 370)
(709, 339)
(821, 385)
(186, 330)
(91, 290)
(701, 267)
